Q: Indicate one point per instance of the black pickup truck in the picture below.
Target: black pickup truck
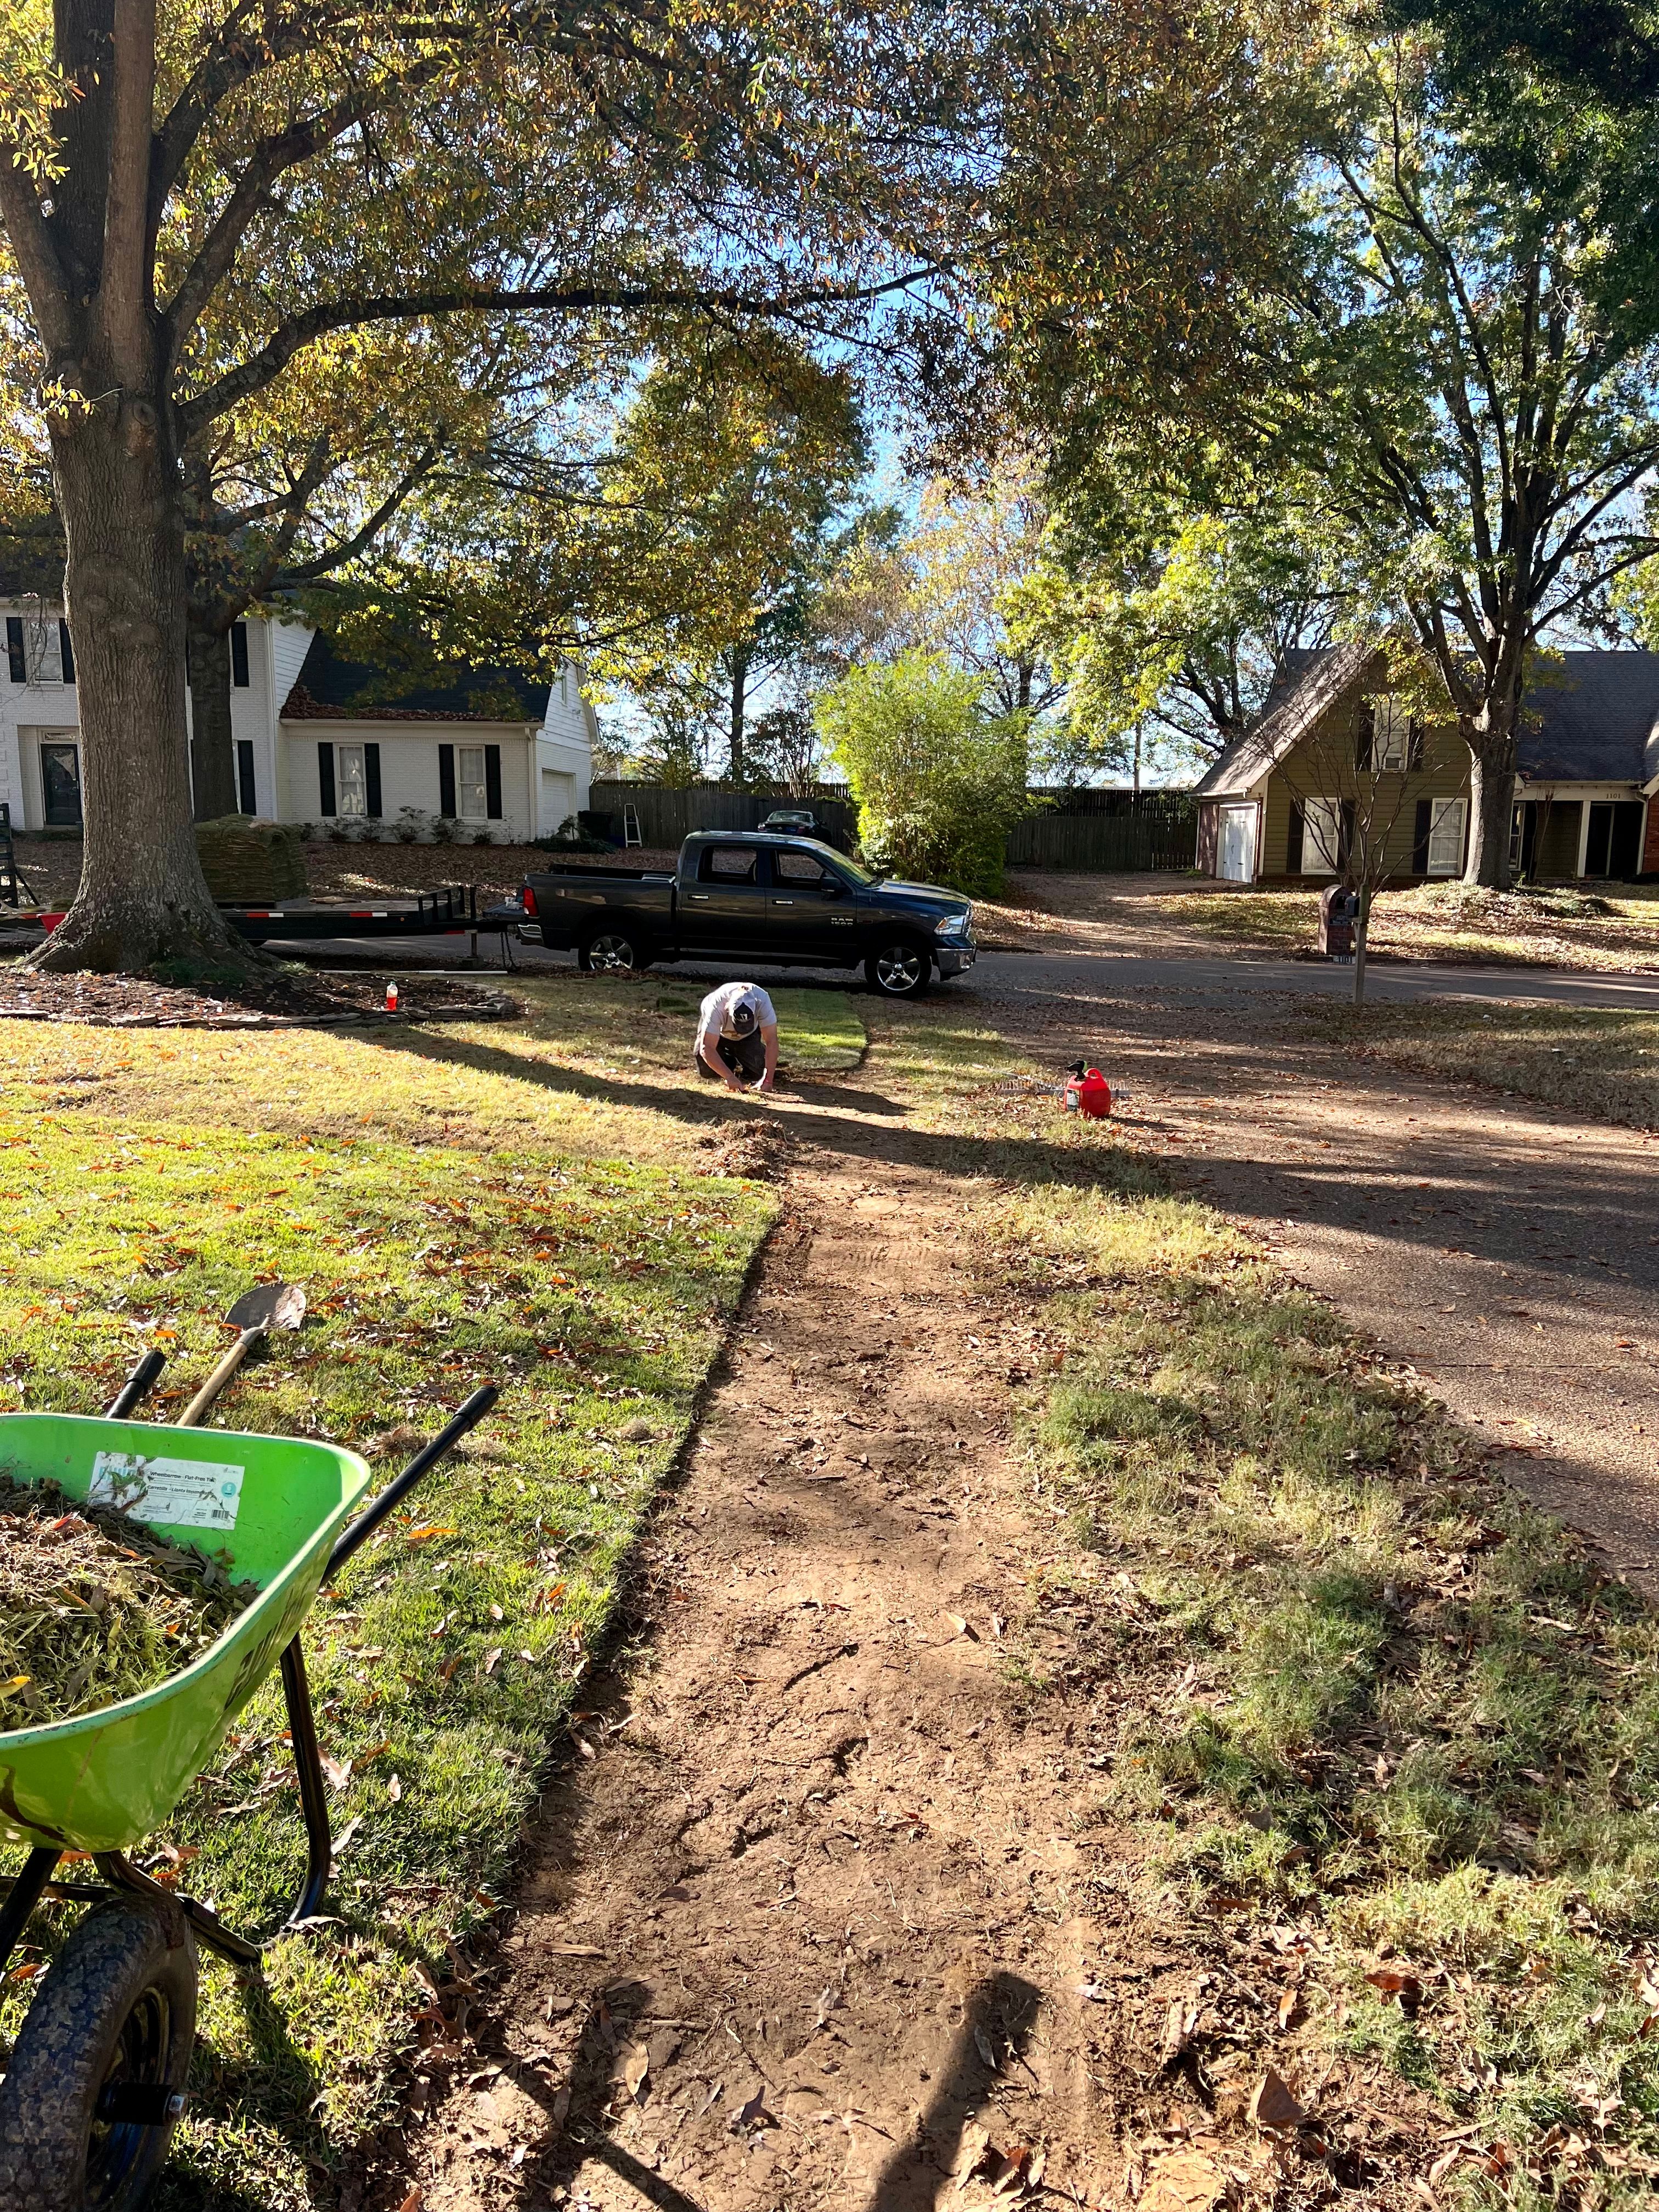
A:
(760, 899)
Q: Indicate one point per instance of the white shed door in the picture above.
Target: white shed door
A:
(558, 800)
(1238, 845)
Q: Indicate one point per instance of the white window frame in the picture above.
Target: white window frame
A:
(1391, 736)
(1443, 811)
(351, 780)
(1315, 861)
(471, 784)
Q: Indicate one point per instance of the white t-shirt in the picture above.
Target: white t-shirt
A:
(715, 1020)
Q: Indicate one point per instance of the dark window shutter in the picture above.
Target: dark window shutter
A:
(492, 782)
(1420, 837)
(1293, 842)
(238, 655)
(447, 782)
(17, 660)
(1345, 852)
(324, 779)
(1414, 746)
(372, 778)
(66, 652)
(1364, 738)
(245, 775)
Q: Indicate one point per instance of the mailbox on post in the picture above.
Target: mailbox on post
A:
(1339, 911)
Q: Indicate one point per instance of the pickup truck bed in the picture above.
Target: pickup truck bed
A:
(754, 898)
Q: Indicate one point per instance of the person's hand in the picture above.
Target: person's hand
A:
(765, 1082)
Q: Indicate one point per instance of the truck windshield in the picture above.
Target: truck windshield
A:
(852, 870)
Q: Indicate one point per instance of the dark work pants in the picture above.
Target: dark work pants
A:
(745, 1056)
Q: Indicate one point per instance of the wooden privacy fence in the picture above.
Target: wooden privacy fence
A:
(667, 816)
(1106, 832)
(1156, 831)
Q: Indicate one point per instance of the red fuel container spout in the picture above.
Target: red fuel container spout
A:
(1089, 1093)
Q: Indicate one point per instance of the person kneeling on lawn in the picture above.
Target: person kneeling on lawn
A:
(738, 1037)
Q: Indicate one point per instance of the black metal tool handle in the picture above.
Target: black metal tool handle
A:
(396, 1490)
(138, 1384)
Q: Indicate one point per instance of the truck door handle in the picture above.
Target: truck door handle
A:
(777, 902)
(702, 898)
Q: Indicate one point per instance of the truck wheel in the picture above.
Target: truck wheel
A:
(903, 969)
(97, 2074)
(612, 952)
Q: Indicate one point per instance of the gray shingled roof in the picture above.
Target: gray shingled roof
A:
(1596, 721)
(329, 687)
(1590, 717)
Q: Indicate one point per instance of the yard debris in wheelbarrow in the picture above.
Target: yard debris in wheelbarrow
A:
(96, 2076)
(93, 1607)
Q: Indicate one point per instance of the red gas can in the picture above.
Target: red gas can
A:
(1089, 1093)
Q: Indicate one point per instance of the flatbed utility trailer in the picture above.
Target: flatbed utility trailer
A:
(451, 912)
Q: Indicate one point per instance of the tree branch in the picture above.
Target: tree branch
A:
(272, 158)
(303, 330)
(36, 257)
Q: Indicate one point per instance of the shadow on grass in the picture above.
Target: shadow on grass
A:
(1030, 1160)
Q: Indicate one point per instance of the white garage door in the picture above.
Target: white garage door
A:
(1238, 845)
(558, 800)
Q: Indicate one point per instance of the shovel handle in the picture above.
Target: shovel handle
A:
(203, 1403)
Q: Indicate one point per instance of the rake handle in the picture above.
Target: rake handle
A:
(202, 1404)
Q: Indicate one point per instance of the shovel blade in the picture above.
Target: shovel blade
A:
(269, 1305)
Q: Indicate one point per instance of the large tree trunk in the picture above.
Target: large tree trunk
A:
(1490, 735)
(212, 748)
(1492, 810)
(143, 899)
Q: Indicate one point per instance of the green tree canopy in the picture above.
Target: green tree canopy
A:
(195, 198)
(1168, 624)
(1463, 426)
(939, 777)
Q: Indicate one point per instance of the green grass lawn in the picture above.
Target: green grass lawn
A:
(1342, 1681)
(1595, 1061)
(477, 1203)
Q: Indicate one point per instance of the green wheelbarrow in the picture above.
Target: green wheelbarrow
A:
(96, 2078)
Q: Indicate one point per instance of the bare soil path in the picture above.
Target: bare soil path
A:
(806, 1930)
(829, 1918)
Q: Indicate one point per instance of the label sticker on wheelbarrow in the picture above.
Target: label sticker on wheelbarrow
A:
(186, 1493)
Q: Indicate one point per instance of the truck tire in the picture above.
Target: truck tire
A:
(901, 970)
(115, 2017)
(613, 952)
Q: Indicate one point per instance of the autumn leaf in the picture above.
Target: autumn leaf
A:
(1273, 2108)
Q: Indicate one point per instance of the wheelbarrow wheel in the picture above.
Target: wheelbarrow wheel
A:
(97, 2074)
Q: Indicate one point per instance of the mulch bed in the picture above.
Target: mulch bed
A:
(275, 1002)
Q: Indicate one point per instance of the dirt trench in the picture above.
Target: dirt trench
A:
(807, 1924)
(826, 1910)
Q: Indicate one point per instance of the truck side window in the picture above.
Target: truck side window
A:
(729, 864)
(801, 869)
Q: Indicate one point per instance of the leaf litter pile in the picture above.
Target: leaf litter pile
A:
(95, 1607)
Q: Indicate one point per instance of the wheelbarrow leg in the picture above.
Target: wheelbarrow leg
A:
(26, 1892)
(313, 1796)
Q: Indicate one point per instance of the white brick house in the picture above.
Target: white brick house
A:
(494, 752)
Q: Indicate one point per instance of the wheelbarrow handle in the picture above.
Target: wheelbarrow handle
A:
(137, 1385)
(396, 1490)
